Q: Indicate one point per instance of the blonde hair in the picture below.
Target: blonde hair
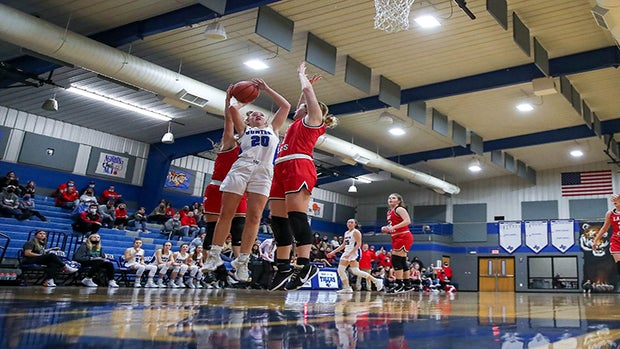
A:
(614, 197)
(329, 120)
(89, 243)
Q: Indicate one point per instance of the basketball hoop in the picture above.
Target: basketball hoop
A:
(392, 15)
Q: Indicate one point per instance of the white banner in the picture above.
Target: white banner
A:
(563, 234)
(112, 165)
(510, 235)
(315, 209)
(536, 237)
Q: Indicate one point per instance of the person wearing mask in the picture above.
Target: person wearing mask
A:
(9, 203)
(108, 214)
(35, 251)
(138, 220)
(26, 206)
(173, 227)
(90, 186)
(190, 222)
(110, 194)
(121, 217)
(158, 215)
(90, 254)
(89, 221)
(68, 198)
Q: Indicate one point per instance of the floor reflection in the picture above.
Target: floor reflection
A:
(171, 318)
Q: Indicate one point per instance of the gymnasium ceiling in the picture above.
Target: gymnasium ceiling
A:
(471, 71)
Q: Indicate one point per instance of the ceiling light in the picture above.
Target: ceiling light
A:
(576, 153)
(396, 131)
(474, 166)
(118, 103)
(524, 107)
(363, 180)
(353, 188)
(168, 137)
(256, 64)
(50, 104)
(215, 31)
(427, 21)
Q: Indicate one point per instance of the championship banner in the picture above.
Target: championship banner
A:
(315, 209)
(510, 235)
(562, 234)
(112, 165)
(177, 179)
(598, 265)
(536, 237)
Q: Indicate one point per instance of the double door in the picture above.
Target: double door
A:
(496, 274)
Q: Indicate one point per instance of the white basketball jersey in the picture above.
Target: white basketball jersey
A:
(349, 242)
(259, 144)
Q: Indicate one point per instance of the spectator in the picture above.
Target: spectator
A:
(267, 250)
(198, 258)
(10, 179)
(30, 188)
(9, 202)
(68, 198)
(587, 286)
(35, 252)
(91, 186)
(108, 214)
(138, 220)
(158, 215)
(183, 211)
(386, 259)
(110, 194)
(121, 218)
(417, 259)
(195, 275)
(90, 254)
(26, 206)
(365, 265)
(227, 249)
(173, 227)
(180, 267)
(189, 221)
(86, 199)
(164, 258)
(134, 259)
(89, 221)
(265, 226)
(334, 244)
(416, 276)
(63, 188)
(169, 210)
(198, 241)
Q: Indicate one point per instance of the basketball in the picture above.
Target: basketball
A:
(245, 91)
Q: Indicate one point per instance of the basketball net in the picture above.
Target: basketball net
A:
(392, 15)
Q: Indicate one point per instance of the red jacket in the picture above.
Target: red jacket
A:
(67, 197)
(121, 213)
(108, 195)
(190, 221)
(86, 217)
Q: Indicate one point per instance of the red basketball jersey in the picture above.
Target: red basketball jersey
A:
(300, 138)
(394, 219)
(223, 163)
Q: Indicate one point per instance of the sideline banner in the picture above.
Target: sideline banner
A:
(536, 237)
(112, 165)
(510, 235)
(562, 234)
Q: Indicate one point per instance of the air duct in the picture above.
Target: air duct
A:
(48, 39)
(607, 16)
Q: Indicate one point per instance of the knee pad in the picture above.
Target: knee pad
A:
(357, 272)
(399, 262)
(210, 230)
(281, 231)
(236, 228)
(298, 222)
(342, 272)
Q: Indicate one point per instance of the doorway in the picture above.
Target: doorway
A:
(496, 274)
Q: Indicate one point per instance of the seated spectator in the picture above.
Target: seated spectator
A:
(108, 214)
(197, 209)
(91, 186)
(169, 210)
(265, 226)
(30, 188)
(84, 203)
(10, 179)
(158, 215)
(138, 220)
(164, 259)
(63, 188)
(183, 211)
(198, 258)
(134, 259)
(180, 267)
(68, 198)
(198, 241)
(110, 194)
(227, 250)
(26, 206)
(9, 203)
(189, 221)
(91, 255)
(89, 221)
(173, 227)
(121, 218)
(36, 252)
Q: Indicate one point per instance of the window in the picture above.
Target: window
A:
(553, 273)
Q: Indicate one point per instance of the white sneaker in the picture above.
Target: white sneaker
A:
(88, 282)
(241, 269)
(378, 284)
(137, 284)
(172, 284)
(198, 284)
(214, 259)
(190, 283)
(112, 284)
(180, 283)
(347, 289)
(150, 284)
(49, 283)
(69, 269)
(231, 280)
(160, 283)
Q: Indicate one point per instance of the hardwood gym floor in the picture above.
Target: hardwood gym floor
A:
(78, 317)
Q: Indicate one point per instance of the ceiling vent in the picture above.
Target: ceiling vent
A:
(599, 16)
(192, 99)
(607, 15)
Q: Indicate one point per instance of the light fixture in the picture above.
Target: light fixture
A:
(118, 103)
(363, 180)
(215, 31)
(353, 188)
(427, 21)
(576, 153)
(474, 166)
(50, 104)
(168, 137)
(256, 64)
(524, 107)
(396, 131)
(386, 118)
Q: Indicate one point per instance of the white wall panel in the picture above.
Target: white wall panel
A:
(138, 171)
(81, 161)
(3, 112)
(16, 138)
